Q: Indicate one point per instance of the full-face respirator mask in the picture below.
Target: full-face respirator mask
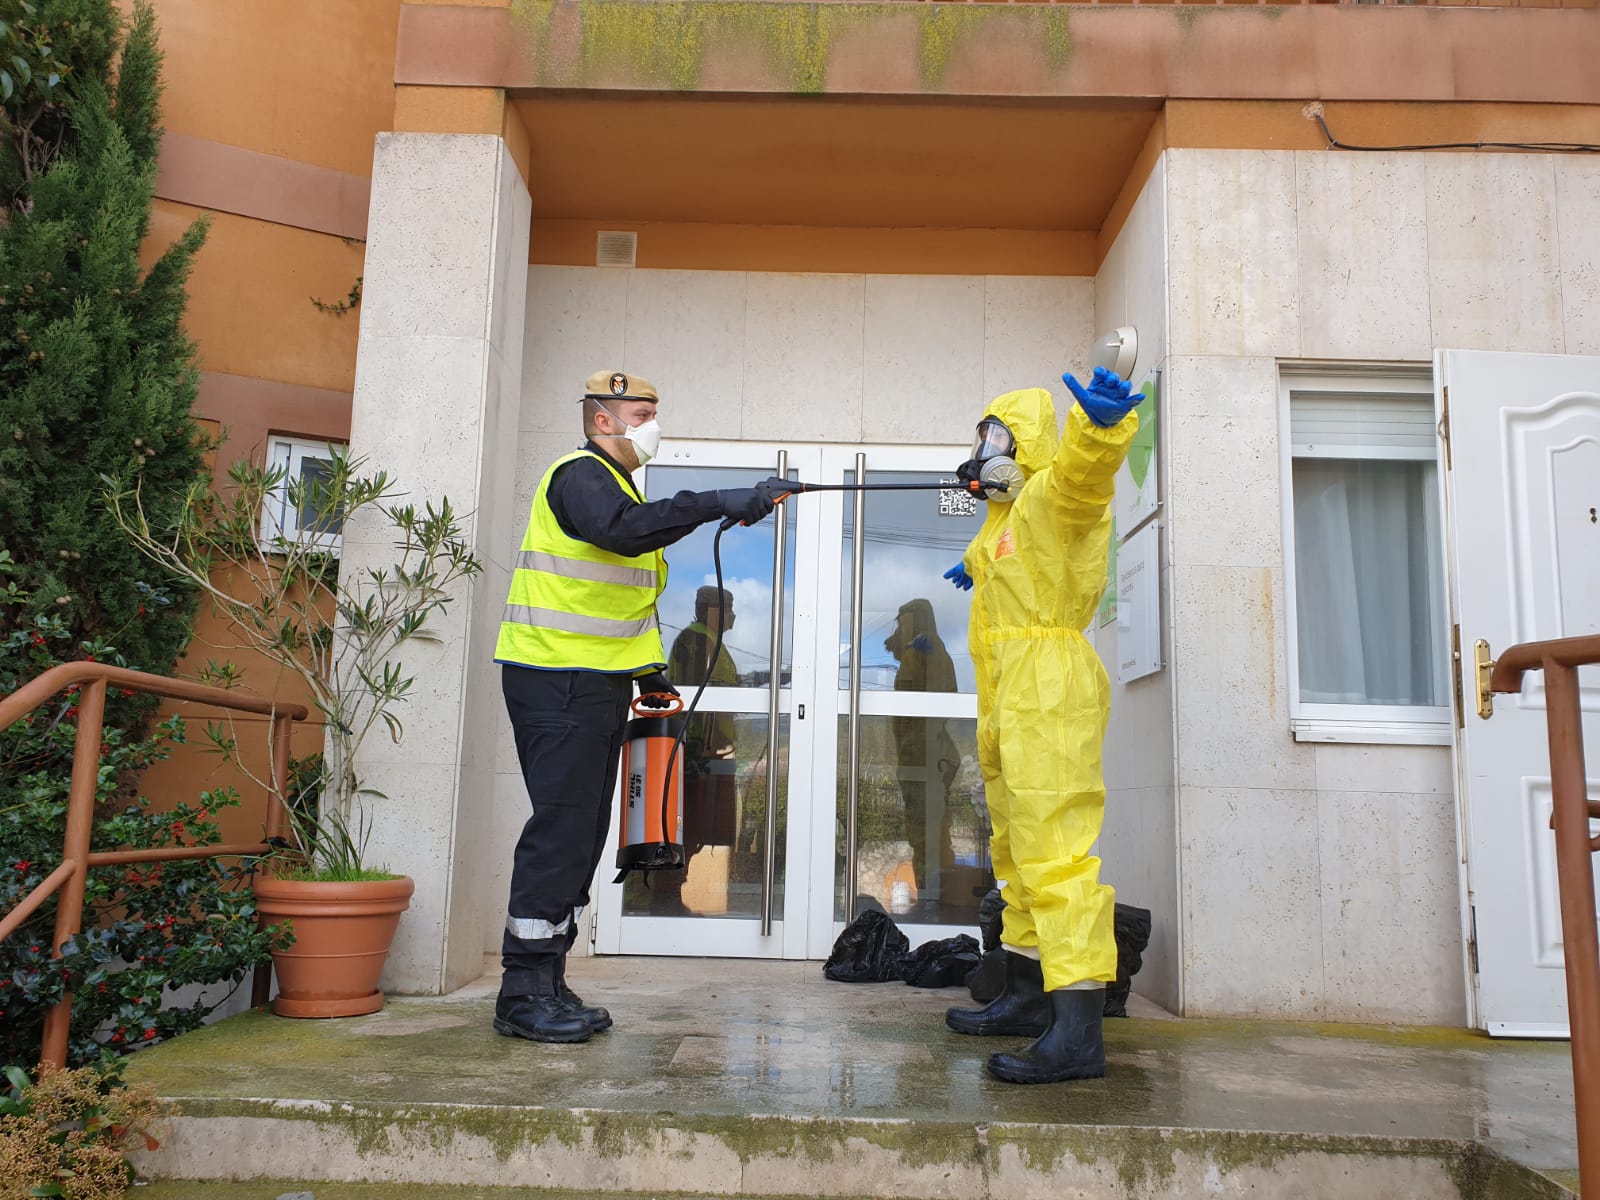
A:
(993, 465)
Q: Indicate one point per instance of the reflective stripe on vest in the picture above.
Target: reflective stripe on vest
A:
(574, 606)
(551, 618)
(577, 568)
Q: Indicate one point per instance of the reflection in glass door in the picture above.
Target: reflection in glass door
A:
(918, 844)
(733, 897)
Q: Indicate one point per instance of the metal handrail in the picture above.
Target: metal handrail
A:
(1560, 659)
(71, 877)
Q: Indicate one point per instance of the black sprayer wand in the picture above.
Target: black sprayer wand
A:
(975, 487)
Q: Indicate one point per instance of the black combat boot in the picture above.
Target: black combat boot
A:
(1071, 1048)
(540, 1015)
(1021, 1009)
(599, 1019)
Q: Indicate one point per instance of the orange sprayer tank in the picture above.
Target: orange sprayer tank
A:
(652, 839)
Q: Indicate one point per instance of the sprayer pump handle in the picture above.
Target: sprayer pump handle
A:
(670, 709)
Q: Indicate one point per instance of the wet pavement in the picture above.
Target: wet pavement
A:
(703, 1045)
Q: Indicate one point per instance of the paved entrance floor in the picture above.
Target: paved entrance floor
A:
(763, 1078)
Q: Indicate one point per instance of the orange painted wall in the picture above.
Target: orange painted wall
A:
(805, 248)
(251, 314)
(194, 767)
(311, 82)
(250, 307)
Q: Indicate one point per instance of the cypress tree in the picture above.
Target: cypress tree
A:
(97, 377)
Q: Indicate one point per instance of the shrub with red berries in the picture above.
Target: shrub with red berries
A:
(150, 929)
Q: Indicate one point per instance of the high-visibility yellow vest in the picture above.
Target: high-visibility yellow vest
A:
(574, 606)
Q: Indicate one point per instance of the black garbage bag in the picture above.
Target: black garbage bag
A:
(943, 963)
(871, 949)
(1132, 927)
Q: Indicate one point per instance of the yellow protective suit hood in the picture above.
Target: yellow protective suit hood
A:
(1030, 414)
(1038, 567)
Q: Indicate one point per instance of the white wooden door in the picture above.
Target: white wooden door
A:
(1522, 496)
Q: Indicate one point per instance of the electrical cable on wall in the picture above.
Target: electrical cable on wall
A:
(1314, 112)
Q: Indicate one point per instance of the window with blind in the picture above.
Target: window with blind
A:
(1368, 646)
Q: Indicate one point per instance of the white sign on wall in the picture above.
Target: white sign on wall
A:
(1139, 604)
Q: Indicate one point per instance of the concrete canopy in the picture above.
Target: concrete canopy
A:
(874, 162)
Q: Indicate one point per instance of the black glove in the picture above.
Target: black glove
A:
(652, 688)
(745, 505)
(775, 488)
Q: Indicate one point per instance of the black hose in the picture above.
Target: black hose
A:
(1545, 147)
(711, 665)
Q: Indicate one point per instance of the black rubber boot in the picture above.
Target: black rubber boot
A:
(599, 1019)
(1072, 1048)
(541, 1016)
(1021, 1010)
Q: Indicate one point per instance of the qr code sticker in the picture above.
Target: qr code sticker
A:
(956, 502)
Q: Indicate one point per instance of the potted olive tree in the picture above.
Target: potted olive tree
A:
(264, 551)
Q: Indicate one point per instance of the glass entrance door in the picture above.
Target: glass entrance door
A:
(746, 751)
(910, 828)
(832, 764)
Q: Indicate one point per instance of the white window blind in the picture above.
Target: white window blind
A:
(1362, 426)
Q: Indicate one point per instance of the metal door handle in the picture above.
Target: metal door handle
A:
(1482, 668)
(852, 785)
(769, 857)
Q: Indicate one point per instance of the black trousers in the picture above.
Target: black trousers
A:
(568, 727)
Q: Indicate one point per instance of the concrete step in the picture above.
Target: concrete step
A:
(285, 1189)
(609, 1153)
(763, 1080)
(289, 1190)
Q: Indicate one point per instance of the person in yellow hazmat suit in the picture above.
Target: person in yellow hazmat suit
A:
(1037, 569)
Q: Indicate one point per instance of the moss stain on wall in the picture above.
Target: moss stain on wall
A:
(663, 43)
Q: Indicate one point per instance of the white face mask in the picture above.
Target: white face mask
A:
(646, 438)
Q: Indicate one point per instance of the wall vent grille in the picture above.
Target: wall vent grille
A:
(615, 248)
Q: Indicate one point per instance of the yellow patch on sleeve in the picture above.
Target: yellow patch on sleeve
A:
(1006, 545)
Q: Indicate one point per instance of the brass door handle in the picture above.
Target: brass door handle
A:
(1482, 668)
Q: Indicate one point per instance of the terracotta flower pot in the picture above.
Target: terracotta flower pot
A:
(342, 934)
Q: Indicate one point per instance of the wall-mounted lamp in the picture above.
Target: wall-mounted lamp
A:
(1117, 351)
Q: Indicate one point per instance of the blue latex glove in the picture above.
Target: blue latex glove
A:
(958, 576)
(1107, 399)
(921, 643)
